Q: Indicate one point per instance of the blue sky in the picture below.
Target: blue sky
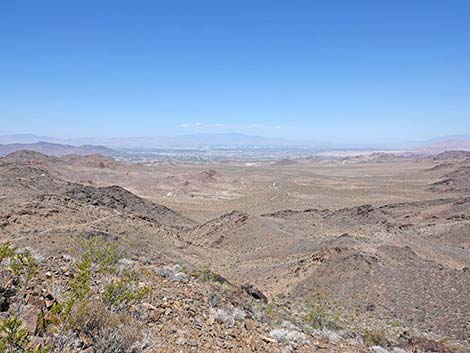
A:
(338, 71)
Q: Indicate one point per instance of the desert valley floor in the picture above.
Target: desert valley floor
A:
(386, 237)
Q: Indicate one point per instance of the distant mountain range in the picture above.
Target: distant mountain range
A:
(55, 149)
(196, 140)
(446, 145)
(108, 146)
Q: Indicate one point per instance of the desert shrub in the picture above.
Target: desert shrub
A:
(206, 274)
(123, 290)
(98, 253)
(80, 287)
(80, 311)
(80, 284)
(79, 291)
(24, 263)
(213, 299)
(375, 338)
(219, 314)
(6, 251)
(323, 312)
(110, 332)
(103, 254)
(20, 262)
(123, 265)
(43, 323)
(286, 337)
(228, 317)
(173, 273)
(271, 313)
(14, 338)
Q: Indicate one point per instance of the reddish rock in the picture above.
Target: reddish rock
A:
(29, 316)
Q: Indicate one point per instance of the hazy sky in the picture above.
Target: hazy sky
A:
(349, 71)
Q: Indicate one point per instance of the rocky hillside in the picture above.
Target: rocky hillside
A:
(100, 301)
(456, 180)
(404, 263)
(117, 198)
(334, 280)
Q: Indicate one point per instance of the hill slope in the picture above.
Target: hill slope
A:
(55, 149)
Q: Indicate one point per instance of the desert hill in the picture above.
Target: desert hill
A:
(347, 250)
(25, 156)
(56, 149)
(402, 258)
(117, 198)
(453, 156)
(90, 160)
(446, 145)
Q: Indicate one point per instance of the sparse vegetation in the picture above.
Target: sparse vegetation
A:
(80, 310)
(103, 254)
(290, 338)
(21, 262)
(124, 290)
(174, 273)
(323, 312)
(375, 338)
(6, 251)
(227, 316)
(206, 274)
(110, 332)
(270, 311)
(16, 337)
(132, 244)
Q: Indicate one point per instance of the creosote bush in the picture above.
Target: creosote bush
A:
(103, 318)
(14, 337)
(104, 255)
(206, 274)
(20, 262)
(323, 312)
(94, 303)
(6, 251)
(124, 290)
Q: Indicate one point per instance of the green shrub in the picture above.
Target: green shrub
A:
(23, 263)
(80, 284)
(15, 338)
(271, 312)
(206, 274)
(123, 290)
(101, 253)
(97, 252)
(323, 312)
(81, 310)
(6, 251)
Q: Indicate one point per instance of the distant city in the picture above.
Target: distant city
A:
(215, 147)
